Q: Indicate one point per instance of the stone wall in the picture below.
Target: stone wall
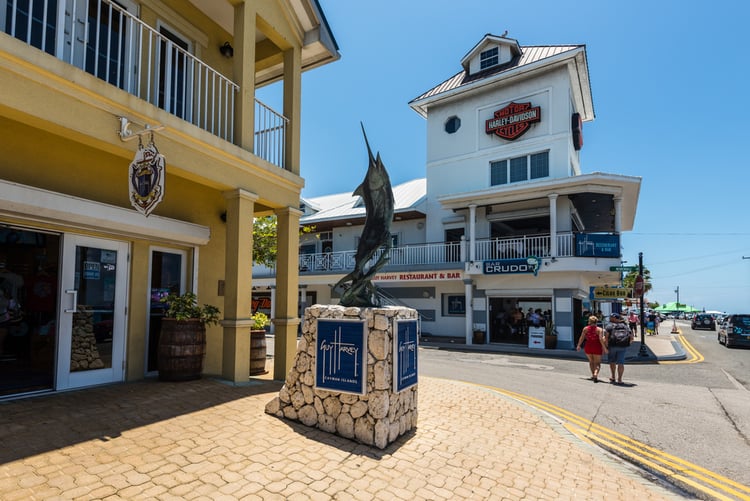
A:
(84, 351)
(379, 416)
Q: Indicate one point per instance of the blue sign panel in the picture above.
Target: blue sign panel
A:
(341, 356)
(405, 344)
(512, 266)
(597, 245)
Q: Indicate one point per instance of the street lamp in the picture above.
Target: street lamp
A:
(674, 320)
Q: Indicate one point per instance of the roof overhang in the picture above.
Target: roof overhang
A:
(319, 47)
(626, 188)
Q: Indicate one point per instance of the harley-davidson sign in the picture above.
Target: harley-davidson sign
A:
(513, 120)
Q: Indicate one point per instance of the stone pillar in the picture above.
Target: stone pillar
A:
(238, 283)
(377, 417)
(472, 232)
(552, 224)
(292, 107)
(244, 74)
(286, 319)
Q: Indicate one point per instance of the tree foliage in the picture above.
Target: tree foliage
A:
(629, 280)
(265, 239)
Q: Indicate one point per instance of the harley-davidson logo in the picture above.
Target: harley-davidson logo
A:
(513, 120)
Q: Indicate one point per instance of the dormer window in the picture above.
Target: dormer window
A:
(488, 58)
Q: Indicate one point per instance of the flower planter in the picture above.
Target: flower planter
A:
(258, 352)
(182, 346)
(478, 337)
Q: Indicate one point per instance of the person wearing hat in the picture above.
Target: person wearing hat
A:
(618, 338)
(595, 346)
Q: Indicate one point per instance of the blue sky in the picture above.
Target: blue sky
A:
(669, 81)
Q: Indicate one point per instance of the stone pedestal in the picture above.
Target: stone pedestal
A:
(379, 415)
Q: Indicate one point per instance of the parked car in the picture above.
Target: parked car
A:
(703, 321)
(735, 331)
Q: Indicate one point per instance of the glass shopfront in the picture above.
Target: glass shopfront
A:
(28, 309)
(511, 317)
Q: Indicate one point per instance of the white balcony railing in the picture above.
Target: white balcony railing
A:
(105, 40)
(439, 254)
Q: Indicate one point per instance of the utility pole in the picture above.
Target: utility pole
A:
(674, 319)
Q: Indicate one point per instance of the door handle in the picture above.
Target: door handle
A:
(74, 309)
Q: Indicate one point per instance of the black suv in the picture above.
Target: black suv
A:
(735, 331)
(703, 321)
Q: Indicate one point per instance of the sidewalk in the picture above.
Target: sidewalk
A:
(208, 439)
(662, 347)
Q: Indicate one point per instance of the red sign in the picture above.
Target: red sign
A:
(577, 126)
(638, 289)
(513, 120)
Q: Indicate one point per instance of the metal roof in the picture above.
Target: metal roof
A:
(406, 196)
(529, 55)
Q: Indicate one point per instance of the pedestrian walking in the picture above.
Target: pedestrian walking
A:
(618, 339)
(592, 337)
(633, 323)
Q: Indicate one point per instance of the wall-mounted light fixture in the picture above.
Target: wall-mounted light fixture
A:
(226, 50)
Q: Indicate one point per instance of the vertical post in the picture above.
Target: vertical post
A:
(642, 352)
(469, 311)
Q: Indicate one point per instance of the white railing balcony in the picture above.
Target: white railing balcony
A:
(513, 248)
(270, 134)
(105, 40)
(423, 254)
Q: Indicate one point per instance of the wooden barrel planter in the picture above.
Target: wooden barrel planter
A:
(182, 347)
(257, 352)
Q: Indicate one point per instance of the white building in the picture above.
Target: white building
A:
(505, 218)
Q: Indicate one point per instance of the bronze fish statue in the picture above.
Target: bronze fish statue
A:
(377, 194)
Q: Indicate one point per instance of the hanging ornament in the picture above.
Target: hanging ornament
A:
(146, 177)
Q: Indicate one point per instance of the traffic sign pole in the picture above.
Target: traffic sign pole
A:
(642, 352)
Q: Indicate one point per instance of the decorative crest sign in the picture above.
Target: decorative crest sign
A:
(513, 120)
(146, 178)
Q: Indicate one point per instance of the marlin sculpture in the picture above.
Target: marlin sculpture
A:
(377, 195)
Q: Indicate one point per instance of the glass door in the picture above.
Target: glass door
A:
(167, 276)
(92, 312)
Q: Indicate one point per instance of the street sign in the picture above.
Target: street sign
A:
(623, 268)
(638, 289)
(609, 292)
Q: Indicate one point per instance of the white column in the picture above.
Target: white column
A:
(472, 232)
(553, 224)
(618, 214)
(469, 312)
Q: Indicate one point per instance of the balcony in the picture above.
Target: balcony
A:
(105, 40)
(454, 254)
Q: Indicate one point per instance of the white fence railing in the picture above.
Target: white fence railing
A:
(105, 40)
(440, 253)
(270, 134)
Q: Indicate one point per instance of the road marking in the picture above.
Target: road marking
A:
(695, 355)
(674, 469)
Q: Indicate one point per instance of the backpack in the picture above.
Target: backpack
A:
(619, 335)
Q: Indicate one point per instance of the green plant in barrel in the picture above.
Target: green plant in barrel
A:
(260, 320)
(185, 307)
(182, 340)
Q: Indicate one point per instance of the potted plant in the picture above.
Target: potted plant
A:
(182, 342)
(258, 344)
(550, 336)
(478, 337)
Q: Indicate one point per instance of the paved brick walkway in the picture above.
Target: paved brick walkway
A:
(209, 440)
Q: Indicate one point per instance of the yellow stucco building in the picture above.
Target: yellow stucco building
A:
(89, 240)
